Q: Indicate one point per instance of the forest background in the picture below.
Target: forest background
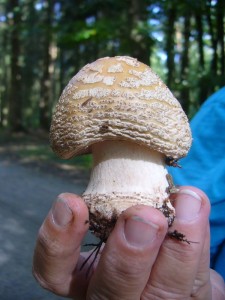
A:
(43, 43)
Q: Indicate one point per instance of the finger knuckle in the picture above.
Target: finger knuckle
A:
(49, 246)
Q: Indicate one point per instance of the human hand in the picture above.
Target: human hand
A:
(138, 261)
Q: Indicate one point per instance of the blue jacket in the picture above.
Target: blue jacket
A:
(204, 167)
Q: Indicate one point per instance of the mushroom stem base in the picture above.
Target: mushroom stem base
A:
(101, 225)
(125, 174)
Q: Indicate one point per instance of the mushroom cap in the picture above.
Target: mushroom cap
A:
(118, 98)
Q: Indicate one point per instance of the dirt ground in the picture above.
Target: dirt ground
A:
(27, 191)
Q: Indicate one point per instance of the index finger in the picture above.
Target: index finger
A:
(129, 254)
(58, 244)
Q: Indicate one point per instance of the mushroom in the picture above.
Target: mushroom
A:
(119, 110)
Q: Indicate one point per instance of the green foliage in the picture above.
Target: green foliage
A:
(54, 39)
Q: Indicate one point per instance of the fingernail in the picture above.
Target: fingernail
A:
(139, 232)
(187, 205)
(61, 213)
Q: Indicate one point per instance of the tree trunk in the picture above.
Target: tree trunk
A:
(140, 42)
(203, 86)
(220, 37)
(4, 79)
(31, 60)
(170, 44)
(185, 65)
(214, 43)
(15, 93)
(45, 101)
(198, 20)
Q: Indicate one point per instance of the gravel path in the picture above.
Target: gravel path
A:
(26, 194)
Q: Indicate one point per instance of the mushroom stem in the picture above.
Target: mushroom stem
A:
(124, 174)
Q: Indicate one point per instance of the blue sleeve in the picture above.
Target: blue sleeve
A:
(204, 167)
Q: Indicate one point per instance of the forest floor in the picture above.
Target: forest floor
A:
(30, 180)
(33, 150)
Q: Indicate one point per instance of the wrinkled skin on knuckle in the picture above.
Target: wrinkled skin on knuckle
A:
(130, 266)
(45, 254)
(124, 274)
(159, 293)
(50, 247)
(182, 251)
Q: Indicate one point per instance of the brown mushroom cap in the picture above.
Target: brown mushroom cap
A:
(118, 98)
